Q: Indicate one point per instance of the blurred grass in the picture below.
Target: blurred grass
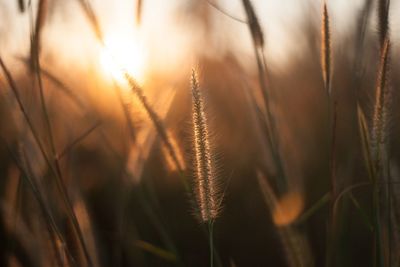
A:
(130, 204)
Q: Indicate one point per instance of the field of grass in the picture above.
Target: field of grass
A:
(205, 139)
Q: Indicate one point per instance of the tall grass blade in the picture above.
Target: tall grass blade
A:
(155, 119)
(53, 168)
(91, 16)
(298, 252)
(383, 20)
(36, 35)
(379, 145)
(270, 123)
(326, 49)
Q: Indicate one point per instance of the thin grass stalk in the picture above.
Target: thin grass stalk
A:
(155, 250)
(36, 35)
(155, 119)
(333, 224)
(91, 15)
(36, 63)
(27, 175)
(366, 144)
(326, 49)
(333, 155)
(296, 248)
(21, 6)
(359, 47)
(350, 188)
(129, 123)
(60, 184)
(50, 221)
(77, 140)
(254, 25)
(380, 117)
(157, 223)
(211, 241)
(148, 209)
(47, 74)
(222, 11)
(383, 20)
(389, 212)
(314, 208)
(21, 107)
(379, 143)
(139, 8)
(15, 204)
(326, 66)
(383, 27)
(361, 212)
(35, 50)
(270, 123)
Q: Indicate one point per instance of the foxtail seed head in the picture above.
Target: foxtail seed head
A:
(205, 185)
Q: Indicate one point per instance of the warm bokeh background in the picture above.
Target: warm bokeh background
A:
(126, 193)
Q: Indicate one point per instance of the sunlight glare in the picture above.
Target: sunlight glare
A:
(123, 53)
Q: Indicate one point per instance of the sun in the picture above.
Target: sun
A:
(123, 52)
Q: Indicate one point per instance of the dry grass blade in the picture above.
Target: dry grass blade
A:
(218, 8)
(179, 153)
(295, 244)
(365, 143)
(334, 114)
(157, 122)
(50, 76)
(21, 6)
(91, 15)
(157, 251)
(14, 89)
(269, 123)
(326, 49)
(27, 174)
(379, 124)
(54, 164)
(383, 20)
(139, 6)
(78, 139)
(35, 44)
(127, 115)
(58, 240)
(254, 24)
(55, 170)
(379, 146)
(205, 184)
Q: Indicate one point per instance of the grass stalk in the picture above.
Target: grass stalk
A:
(379, 143)
(24, 166)
(326, 66)
(36, 67)
(52, 168)
(270, 123)
(211, 241)
(297, 250)
(326, 61)
(206, 190)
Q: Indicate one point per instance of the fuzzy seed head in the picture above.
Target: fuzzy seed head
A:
(381, 107)
(205, 186)
(326, 49)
